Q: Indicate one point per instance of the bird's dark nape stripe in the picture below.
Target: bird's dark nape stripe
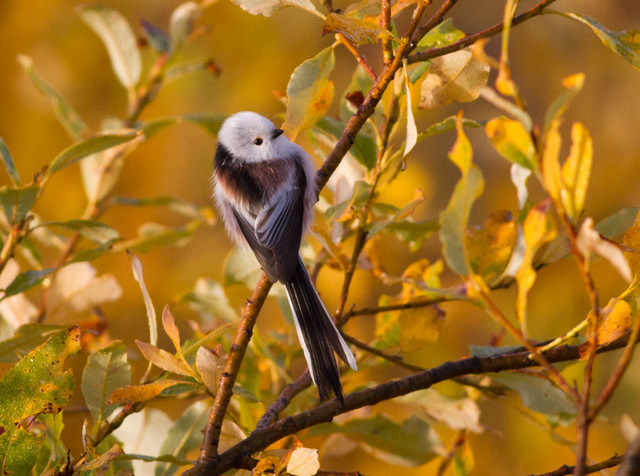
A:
(317, 331)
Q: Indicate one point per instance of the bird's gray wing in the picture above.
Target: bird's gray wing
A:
(279, 229)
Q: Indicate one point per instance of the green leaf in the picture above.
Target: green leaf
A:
(152, 235)
(68, 117)
(185, 435)
(411, 443)
(182, 22)
(241, 267)
(189, 67)
(537, 393)
(36, 384)
(26, 338)
(209, 299)
(95, 231)
(573, 85)
(447, 124)
(210, 122)
(309, 93)
(105, 371)
(120, 41)
(625, 44)
(364, 147)
(97, 143)
(26, 280)
(9, 164)
(617, 223)
(442, 34)
(157, 38)
(17, 202)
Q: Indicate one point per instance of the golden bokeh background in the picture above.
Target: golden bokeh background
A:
(256, 56)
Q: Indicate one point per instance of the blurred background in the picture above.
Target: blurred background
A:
(256, 56)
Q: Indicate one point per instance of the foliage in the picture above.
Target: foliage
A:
(239, 391)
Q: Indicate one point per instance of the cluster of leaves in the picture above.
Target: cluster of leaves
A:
(376, 119)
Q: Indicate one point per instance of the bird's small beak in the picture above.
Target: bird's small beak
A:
(276, 133)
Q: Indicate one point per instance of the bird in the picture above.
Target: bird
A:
(264, 189)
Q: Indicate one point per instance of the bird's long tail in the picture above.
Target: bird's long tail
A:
(318, 335)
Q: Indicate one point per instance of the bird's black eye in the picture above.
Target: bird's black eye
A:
(257, 141)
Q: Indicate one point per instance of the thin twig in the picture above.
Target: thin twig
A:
(566, 469)
(283, 400)
(356, 54)
(391, 358)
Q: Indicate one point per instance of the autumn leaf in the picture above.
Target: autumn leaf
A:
(357, 32)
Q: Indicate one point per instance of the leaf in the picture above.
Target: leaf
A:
(412, 131)
(617, 223)
(357, 32)
(241, 267)
(589, 242)
(183, 436)
(573, 85)
(269, 7)
(625, 44)
(96, 231)
(454, 77)
(136, 267)
(457, 413)
(454, 219)
(576, 171)
(77, 288)
(102, 460)
(140, 393)
(551, 173)
(210, 122)
(66, 115)
(105, 371)
(157, 38)
(116, 34)
(97, 143)
(490, 246)
(152, 235)
(410, 443)
(209, 299)
(512, 141)
(163, 359)
(631, 239)
(17, 202)
(182, 23)
(9, 164)
(36, 384)
(364, 147)
(309, 93)
(25, 339)
(210, 365)
(616, 319)
(440, 35)
(538, 229)
(419, 327)
(445, 125)
(16, 310)
(537, 393)
(303, 462)
(26, 280)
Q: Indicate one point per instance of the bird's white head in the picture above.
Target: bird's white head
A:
(250, 137)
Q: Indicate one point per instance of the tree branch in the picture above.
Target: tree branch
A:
(261, 439)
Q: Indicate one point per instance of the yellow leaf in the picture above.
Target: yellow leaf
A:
(140, 393)
(512, 141)
(577, 170)
(267, 466)
(102, 460)
(163, 359)
(538, 229)
(615, 320)
(490, 246)
(358, 32)
(419, 327)
(551, 162)
(303, 462)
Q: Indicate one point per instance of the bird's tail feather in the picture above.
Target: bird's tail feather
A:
(317, 333)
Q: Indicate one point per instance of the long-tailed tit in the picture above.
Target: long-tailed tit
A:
(265, 190)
